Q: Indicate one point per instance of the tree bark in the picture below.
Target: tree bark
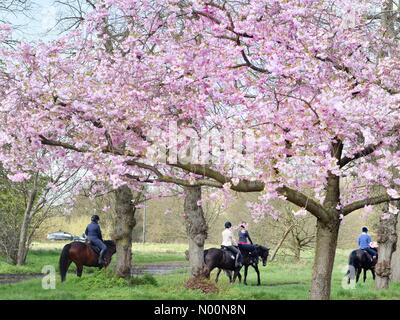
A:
(387, 238)
(122, 233)
(196, 228)
(325, 249)
(22, 245)
(395, 277)
(23, 235)
(327, 234)
(297, 251)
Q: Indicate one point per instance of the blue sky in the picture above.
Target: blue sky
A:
(38, 25)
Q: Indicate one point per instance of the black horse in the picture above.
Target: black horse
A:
(222, 259)
(360, 260)
(248, 260)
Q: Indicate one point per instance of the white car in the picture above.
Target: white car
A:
(60, 235)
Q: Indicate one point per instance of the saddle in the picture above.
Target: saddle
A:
(94, 248)
(369, 256)
(252, 255)
(229, 252)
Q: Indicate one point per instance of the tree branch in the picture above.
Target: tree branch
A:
(301, 200)
(363, 153)
(366, 202)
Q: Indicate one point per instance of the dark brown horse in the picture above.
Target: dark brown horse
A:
(82, 254)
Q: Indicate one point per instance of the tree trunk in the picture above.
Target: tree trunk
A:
(325, 249)
(122, 233)
(22, 244)
(23, 234)
(196, 228)
(297, 251)
(396, 259)
(387, 238)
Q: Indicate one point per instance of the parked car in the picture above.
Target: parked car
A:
(78, 238)
(60, 235)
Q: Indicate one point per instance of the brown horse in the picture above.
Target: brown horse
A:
(82, 254)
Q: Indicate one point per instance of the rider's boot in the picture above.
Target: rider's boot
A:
(101, 257)
(237, 262)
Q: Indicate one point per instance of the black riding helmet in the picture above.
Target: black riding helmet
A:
(95, 218)
(228, 224)
(364, 229)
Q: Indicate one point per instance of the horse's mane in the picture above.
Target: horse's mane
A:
(262, 248)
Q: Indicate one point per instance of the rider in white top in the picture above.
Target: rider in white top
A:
(227, 238)
(228, 242)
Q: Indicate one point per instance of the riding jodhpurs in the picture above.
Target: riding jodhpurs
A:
(371, 252)
(99, 244)
(236, 252)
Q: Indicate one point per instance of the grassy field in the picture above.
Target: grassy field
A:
(281, 279)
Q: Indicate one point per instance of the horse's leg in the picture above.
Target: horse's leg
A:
(255, 266)
(365, 274)
(358, 274)
(373, 273)
(207, 272)
(229, 274)
(246, 268)
(79, 269)
(235, 274)
(239, 276)
(216, 278)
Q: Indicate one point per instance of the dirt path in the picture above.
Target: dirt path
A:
(158, 268)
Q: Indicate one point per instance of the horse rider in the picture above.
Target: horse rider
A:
(93, 233)
(364, 243)
(244, 236)
(245, 242)
(229, 243)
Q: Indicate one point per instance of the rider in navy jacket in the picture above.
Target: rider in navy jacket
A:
(93, 232)
(364, 241)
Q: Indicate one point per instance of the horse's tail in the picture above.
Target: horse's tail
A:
(207, 270)
(64, 261)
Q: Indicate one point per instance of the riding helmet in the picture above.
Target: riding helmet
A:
(364, 229)
(95, 218)
(228, 224)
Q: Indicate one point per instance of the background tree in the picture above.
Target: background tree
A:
(31, 202)
(296, 230)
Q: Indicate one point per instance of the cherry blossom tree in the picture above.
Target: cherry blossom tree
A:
(308, 78)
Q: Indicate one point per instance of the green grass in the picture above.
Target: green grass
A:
(48, 254)
(281, 279)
